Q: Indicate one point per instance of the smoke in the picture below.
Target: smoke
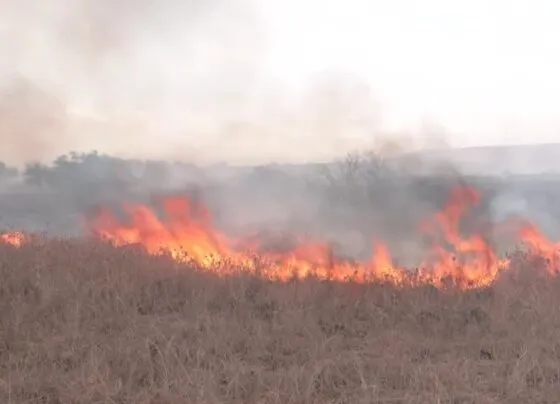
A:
(29, 121)
(186, 80)
(172, 80)
(127, 77)
(352, 202)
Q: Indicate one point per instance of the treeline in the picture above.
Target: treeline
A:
(361, 194)
(86, 170)
(354, 170)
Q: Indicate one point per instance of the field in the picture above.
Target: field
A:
(83, 322)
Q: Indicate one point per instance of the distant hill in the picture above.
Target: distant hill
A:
(499, 160)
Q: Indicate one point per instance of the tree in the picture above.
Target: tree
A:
(37, 174)
(7, 172)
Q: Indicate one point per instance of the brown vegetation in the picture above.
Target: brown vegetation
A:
(82, 322)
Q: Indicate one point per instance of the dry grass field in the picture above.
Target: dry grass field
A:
(82, 322)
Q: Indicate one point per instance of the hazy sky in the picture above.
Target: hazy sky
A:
(248, 80)
(475, 66)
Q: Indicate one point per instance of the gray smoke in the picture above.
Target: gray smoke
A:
(350, 202)
(182, 80)
(132, 78)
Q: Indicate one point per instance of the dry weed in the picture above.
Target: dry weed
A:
(85, 323)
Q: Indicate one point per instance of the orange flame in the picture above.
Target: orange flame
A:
(15, 238)
(532, 237)
(190, 237)
(468, 261)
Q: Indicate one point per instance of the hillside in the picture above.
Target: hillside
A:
(497, 160)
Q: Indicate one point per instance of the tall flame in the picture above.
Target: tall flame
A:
(187, 233)
(466, 261)
(532, 237)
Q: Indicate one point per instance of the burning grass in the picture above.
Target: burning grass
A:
(84, 322)
(188, 234)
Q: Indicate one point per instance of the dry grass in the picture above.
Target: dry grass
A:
(84, 323)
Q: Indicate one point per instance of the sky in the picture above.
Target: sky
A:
(252, 81)
(477, 67)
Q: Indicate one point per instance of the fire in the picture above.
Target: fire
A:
(546, 249)
(187, 233)
(15, 238)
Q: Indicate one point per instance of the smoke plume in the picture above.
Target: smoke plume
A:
(132, 78)
(152, 82)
